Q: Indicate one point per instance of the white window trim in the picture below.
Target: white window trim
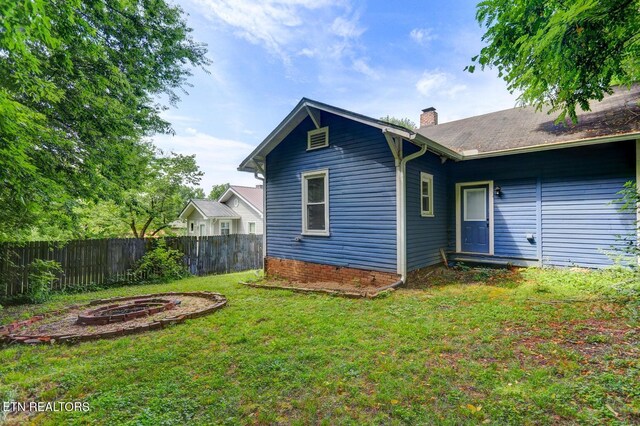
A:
(314, 132)
(304, 176)
(228, 222)
(428, 178)
(459, 214)
(249, 228)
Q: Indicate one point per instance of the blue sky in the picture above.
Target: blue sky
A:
(377, 58)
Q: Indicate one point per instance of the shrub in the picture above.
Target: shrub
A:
(162, 264)
(41, 274)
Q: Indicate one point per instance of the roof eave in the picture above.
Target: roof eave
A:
(298, 114)
(551, 146)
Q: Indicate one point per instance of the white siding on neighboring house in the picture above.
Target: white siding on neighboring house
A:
(195, 222)
(247, 214)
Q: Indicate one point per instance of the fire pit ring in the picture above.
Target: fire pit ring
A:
(121, 312)
(62, 326)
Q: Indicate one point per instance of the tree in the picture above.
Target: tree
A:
(217, 191)
(81, 84)
(169, 183)
(562, 53)
(402, 122)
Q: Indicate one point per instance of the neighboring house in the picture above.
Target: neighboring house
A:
(238, 211)
(351, 197)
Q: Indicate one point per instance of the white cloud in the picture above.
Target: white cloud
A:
(347, 28)
(362, 67)
(217, 157)
(422, 35)
(441, 83)
(289, 28)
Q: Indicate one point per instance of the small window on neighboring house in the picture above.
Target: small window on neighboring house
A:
(426, 194)
(225, 228)
(315, 203)
(252, 227)
(191, 226)
(318, 138)
(236, 203)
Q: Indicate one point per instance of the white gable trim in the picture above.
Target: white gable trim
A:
(191, 203)
(224, 197)
(307, 106)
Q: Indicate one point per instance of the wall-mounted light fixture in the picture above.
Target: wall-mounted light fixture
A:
(498, 191)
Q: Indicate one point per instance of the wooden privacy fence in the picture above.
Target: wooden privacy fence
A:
(107, 261)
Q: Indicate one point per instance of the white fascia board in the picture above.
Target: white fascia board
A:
(557, 145)
(224, 198)
(191, 203)
(299, 113)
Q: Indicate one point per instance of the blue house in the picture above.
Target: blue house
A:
(351, 197)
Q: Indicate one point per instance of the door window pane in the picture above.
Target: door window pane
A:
(475, 204)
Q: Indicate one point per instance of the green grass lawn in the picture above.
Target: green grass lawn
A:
(528, 347)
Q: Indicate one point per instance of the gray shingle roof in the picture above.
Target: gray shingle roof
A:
(251, 194)
(214, 208)
(522, 127)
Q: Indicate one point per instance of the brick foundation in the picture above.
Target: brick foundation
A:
(303, 272)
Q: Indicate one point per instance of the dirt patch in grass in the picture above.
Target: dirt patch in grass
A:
(353, 289)
(591, 339)
(440, 276)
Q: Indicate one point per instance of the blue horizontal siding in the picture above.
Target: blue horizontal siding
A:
(581, 223)
(362, 197)
(580, 219)
(425, 235)
(514, 216)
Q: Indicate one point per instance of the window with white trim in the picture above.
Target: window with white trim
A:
(225, 227)
(315, 202)
(426, 194)
(252, 227)
(317, 138)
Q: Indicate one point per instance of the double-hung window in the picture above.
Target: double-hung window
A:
(426, 194)
(315, 202)
(225, 227)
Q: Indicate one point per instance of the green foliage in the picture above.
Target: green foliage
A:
(561, 53)
(458, 353)
(629, 201)
(170, 181)
(162, 264)
(402, 122)
(217, 191)
(42, 273)
(81, 85)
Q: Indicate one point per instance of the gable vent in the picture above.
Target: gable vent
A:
(318, 138)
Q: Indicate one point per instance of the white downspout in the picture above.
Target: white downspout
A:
(401, 195)
(403, 208)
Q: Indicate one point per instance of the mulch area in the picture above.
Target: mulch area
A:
(353, 290)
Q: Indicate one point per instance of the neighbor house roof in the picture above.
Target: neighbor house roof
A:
(209, 209)
(249, 194)
(616, 116)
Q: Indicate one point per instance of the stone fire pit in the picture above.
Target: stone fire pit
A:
(108, 318)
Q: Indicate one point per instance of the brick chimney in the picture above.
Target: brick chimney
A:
(429, 117)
